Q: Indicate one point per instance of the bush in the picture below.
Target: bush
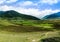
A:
(56, 25)
(53, 39)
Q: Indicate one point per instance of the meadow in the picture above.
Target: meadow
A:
(29, 30)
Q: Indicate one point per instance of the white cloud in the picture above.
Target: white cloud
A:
(36, 12)
(5, 8)
(47, 12)
(7, 1)
(49, 1)
(27, 3)
(30, 11)
(2, 1)
(11, 1)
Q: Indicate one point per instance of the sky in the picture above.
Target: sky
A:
(38, 8)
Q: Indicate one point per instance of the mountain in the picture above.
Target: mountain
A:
(1, 12)
(13, 14)
(52, 16)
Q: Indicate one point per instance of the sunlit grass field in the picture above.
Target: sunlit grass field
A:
(27, 36)
(26, 30)
(20, 37)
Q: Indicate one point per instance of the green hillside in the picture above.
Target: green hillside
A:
(15, 15)
(52, 16)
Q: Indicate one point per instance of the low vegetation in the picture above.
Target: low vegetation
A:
(16, 30)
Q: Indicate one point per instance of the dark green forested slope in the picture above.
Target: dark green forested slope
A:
(14, 14)
(53, 16)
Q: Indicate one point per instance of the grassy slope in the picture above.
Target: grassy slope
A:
(25, 31)
(26, 37)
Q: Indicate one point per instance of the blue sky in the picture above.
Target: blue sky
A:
(38, 8)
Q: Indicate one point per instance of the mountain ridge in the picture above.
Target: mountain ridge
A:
(52, 16)
(14, 14)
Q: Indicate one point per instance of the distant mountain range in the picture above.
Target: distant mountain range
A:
(52, 16)
(13, 14)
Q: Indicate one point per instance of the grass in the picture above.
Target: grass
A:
(20, 37)
(26, 31)
(5, 22)
(27, 36)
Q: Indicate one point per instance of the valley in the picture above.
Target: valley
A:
(15, 27)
